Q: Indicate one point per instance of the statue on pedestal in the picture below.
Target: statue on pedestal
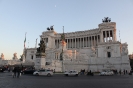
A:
(15, 56)
(2, 56)
(41, 48)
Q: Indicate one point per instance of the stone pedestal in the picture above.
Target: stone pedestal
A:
(40, 61)
(125, 63)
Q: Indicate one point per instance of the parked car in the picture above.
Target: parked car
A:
(71, 73)
(28, 71)
(106, 72)
(44, 72)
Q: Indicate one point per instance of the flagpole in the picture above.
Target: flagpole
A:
(36, 43)
(25, 40)
(24, 45)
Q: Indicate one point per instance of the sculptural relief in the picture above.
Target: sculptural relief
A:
(93, 52)
(68, 56)
(124, 49)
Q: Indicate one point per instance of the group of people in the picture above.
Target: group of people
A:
(82, 71)
(16, 72)
(120, 72)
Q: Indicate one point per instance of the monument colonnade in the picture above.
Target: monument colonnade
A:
(87, 40)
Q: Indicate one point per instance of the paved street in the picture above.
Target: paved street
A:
(60, 81)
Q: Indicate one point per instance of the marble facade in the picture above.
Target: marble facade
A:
(94, 50)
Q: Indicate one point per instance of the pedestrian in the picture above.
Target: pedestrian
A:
(124, 72)
(14, 72)
(116, 72)
(18, 72)
(8, 69)
(120, 72)
(84, 72)
(81, 71)
(54, 70)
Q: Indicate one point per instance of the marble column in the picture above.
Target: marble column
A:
(114, 35)
(88, 41)
(106, 36)
(101, 36)
(94, 41)
(91, 41)
(97, 39)
(75, 43)
(109, 35)
(80, 43)
(83, 42)
(67, 43)
(57, 43)
(72, 42)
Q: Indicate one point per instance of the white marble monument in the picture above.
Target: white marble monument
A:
(94, 49)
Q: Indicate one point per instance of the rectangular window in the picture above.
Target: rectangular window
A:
(32, 57)
(108, 54)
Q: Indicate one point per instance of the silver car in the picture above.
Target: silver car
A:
(44, 72)
(71, 73)
(107, 73)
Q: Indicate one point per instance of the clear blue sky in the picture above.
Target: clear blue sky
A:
(34, 16)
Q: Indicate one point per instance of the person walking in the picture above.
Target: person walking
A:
(18, 72)
(120, 72)
(14, 72)
(124, 72)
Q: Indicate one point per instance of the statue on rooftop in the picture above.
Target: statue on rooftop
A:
(50, 28)
(2, 56)
(15, 56)
(106, 19)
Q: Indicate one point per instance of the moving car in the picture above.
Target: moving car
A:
(107, 72)
(71, 73)
(44, 72)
